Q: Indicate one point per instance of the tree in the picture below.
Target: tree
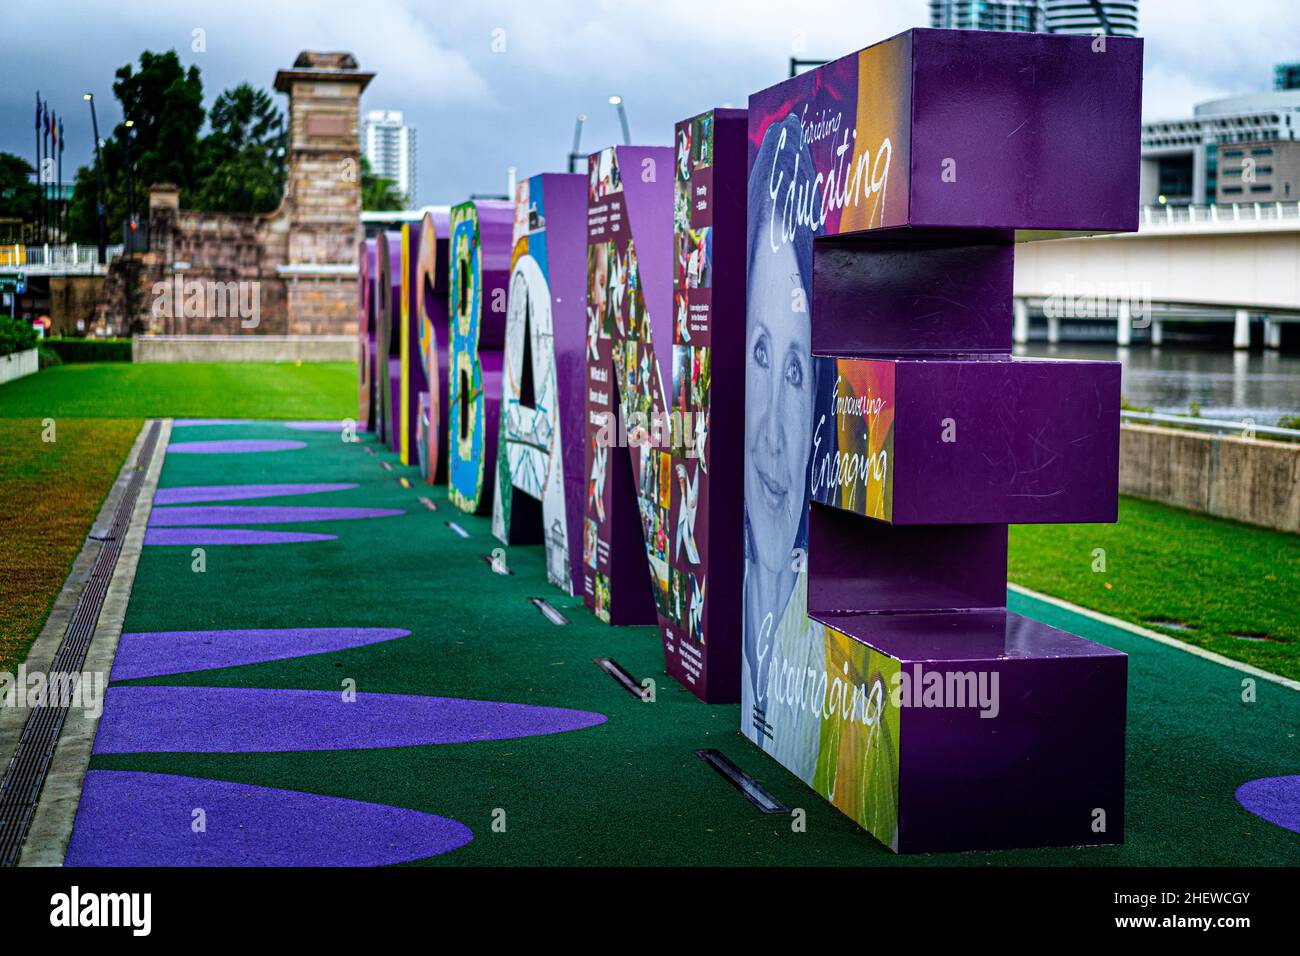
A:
(165, 101)
(242, 169)
(19, 194)
(378, 194)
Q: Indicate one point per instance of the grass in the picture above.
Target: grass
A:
(198, 390)
(1226, 581)
(50, 492)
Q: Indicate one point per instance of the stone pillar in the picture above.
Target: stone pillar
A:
(312, 239)
(1053, 330)
(1157, 332)
(1123, 323)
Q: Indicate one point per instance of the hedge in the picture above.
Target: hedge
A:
(90, 350)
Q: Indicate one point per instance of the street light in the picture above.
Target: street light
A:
(130, 186)
(99, 169)
(616, 101)
(574, 154)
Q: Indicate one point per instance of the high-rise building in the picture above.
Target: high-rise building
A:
(1234, 149)
(1286, 76)
(1113, 17)
(1023, 16)
(389, 147)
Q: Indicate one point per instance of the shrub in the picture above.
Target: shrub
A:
(91, 350)
(47, 357)
(15, 336)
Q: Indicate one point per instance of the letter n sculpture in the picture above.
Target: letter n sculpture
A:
(890, 438)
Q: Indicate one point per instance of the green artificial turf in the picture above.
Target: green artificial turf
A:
(630, 791)
(1236, 587)
(186, 390)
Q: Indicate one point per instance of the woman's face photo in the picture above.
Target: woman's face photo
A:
(597, 277)
(779, 399)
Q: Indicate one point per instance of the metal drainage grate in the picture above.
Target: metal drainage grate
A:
(549, 611)
(742, 781)
(25, 775)
(625, 680)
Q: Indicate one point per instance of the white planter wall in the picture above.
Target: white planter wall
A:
(18, 364)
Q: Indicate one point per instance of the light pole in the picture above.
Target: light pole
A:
(617, 102)
(99, 170)
(574, 154)
(130, 187)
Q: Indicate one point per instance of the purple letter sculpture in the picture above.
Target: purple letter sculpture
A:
(890, 438)
(646, 316)
(479, 264)
(629, 334)
(432, 320)
(366, 334)
(388, 336)
(539, 477)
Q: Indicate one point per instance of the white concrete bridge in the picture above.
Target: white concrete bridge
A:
(1230, 263)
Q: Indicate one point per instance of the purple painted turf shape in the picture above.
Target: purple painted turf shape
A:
(128, 818)
(259, 514)
(206, 536)
(234, 446)
(261, 720)
(195, 422)
(317, 426)
(1275, 799)
(153, 653)
(196, 494)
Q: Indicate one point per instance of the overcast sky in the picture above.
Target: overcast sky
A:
(478, 111)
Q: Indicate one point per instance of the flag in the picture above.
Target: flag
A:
(38, 110)
(54, 129)
(60, 136)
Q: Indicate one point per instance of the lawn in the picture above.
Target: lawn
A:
(197, 390)
(50, 492)
(1228, 587)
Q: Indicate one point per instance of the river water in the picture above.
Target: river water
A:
(1236, 385)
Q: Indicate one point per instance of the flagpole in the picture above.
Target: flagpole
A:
(37, 224)
(45, 180)
(63, 216)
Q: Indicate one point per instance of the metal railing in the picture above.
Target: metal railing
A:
(72, 258)
(1218, 426)
(1224, 214)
